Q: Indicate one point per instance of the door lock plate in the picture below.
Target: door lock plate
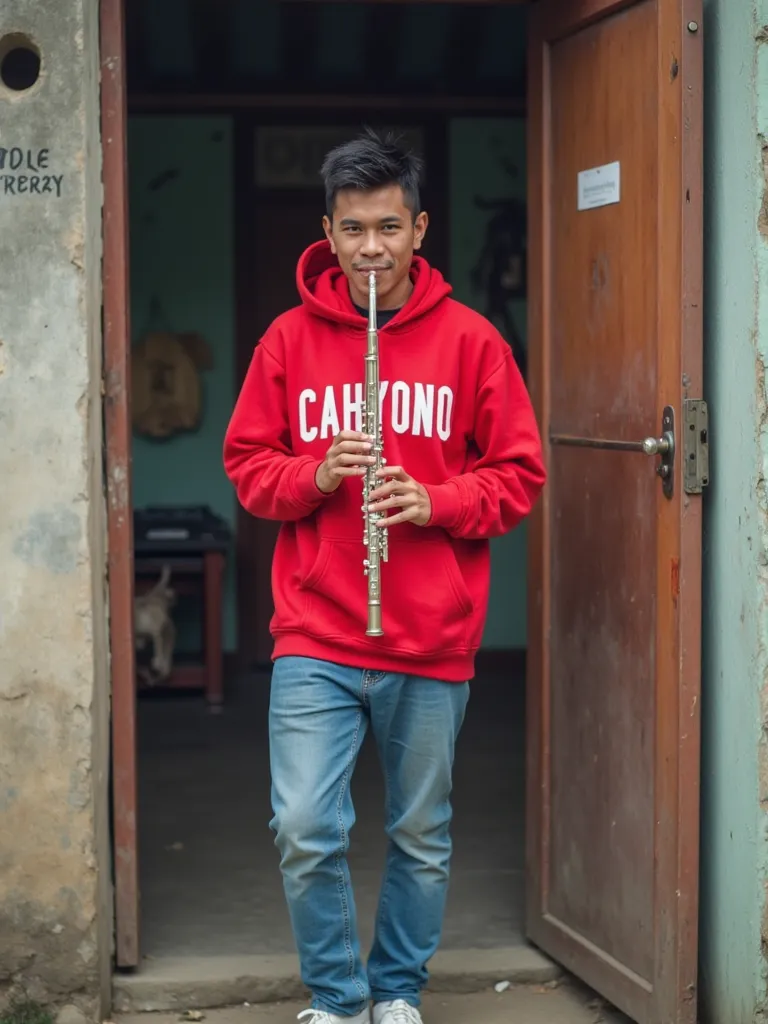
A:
(695, 445)
(666, 449)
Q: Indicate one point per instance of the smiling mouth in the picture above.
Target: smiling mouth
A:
(371, 270)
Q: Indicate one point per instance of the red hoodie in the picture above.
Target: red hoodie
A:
(455, 414)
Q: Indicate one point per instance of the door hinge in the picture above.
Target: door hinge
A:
(695, 445)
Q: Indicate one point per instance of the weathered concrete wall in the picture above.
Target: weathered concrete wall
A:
(734, 852)
(55, 923)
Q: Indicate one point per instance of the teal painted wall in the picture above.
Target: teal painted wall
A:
(479, 149)
(733, 847)
(182, 252)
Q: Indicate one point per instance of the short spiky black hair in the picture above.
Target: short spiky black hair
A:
(368, 162)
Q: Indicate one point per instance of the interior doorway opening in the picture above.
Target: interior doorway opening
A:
(615, 317)
(229, 115)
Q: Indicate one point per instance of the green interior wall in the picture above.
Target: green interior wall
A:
(482, 149)
(182, 254)
(733, 840)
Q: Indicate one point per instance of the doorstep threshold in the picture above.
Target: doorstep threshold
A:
(206, 982)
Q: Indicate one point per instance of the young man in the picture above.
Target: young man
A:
(463, 464)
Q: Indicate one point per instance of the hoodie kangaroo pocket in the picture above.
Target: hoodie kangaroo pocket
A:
(426, 605)
(319, 566)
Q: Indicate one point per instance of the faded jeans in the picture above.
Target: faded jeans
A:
(319, 714)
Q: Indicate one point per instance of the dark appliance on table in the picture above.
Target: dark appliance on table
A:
(194, 542)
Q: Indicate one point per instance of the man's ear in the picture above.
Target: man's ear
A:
(328, 229)
(420, 229)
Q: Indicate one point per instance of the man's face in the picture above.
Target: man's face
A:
(375, 231)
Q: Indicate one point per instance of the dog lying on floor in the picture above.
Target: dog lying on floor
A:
(153, 625)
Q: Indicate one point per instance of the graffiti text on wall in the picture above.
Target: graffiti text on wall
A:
(27, 172)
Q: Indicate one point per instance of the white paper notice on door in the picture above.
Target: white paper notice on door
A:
(600, 186)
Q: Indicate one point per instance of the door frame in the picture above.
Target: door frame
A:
(117, 435)
(114, 106)
(116, 374)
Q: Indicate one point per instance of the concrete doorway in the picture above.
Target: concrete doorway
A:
(571, 730)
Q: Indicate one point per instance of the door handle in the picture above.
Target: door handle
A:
(663, 446)
(650, 446)
(659, 446)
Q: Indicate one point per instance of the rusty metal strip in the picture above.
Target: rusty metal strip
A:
(118, 467)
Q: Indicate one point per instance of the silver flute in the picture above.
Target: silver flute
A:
(374, 537)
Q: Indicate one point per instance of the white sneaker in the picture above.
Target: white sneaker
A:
(321, 1017)
(397, 1012)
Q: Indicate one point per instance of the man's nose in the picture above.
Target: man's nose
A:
(371, 244)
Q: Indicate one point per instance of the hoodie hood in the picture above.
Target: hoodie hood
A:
(324, 289)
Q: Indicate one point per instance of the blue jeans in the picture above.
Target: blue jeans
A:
(319, 714)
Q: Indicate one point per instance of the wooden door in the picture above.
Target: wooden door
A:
(282, 226)
(615, 556)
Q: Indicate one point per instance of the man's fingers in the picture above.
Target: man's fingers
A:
(401, 517)
(393, 486)
(352, 447)
(354, 460)
(396, 501)
(395, 472)
(384, 490)
(351, 435)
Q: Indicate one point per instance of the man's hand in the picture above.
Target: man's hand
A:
(349, 455)
(403, 493)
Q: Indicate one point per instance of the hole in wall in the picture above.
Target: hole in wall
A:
(19, 62)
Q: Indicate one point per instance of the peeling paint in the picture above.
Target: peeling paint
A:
(762, 220)
(77, 253)
(119, 488)
(675, 579)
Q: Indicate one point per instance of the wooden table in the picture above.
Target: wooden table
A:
(199, 574)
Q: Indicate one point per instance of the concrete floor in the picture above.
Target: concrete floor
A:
(523, 1005)
(210, 882)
